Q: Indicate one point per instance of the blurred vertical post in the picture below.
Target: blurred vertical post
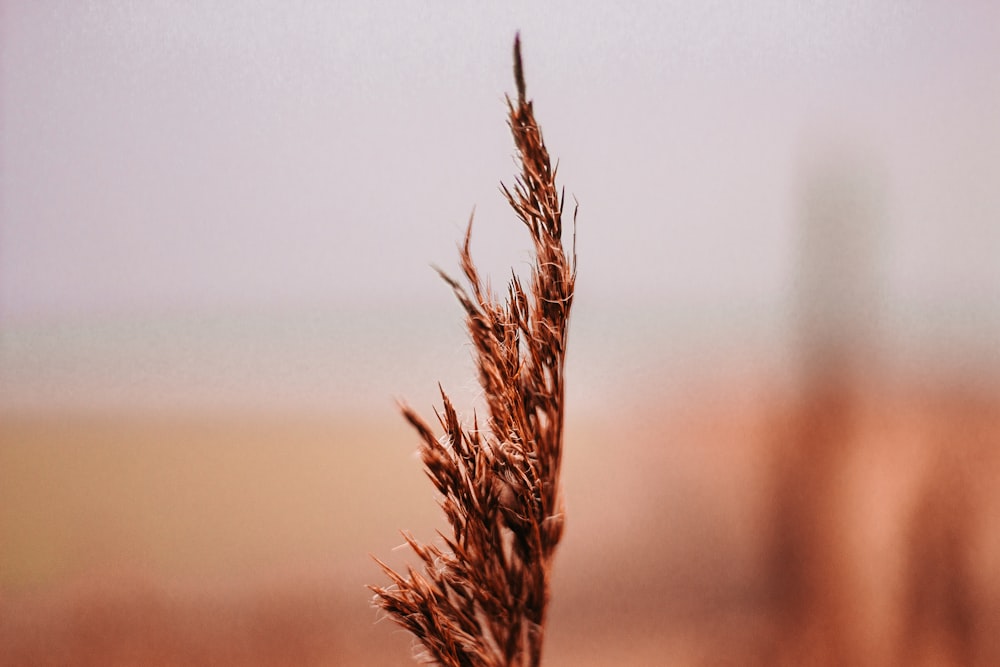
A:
(837, 304)
(837, 276)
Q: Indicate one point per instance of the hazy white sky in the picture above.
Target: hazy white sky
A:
(184, 156)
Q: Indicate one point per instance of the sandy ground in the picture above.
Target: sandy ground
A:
(711, 528)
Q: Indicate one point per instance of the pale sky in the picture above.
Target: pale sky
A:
(178, 157)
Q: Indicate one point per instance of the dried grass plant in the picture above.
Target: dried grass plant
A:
(481, 598)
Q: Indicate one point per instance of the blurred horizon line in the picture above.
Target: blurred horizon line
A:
(354, 357)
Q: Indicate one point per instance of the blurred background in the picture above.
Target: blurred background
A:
(217, 222)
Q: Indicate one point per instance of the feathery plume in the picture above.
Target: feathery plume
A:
(481, 598)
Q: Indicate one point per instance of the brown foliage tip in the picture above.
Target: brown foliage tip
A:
(481, 599)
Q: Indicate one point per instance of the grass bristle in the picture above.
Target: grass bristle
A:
(481, 598)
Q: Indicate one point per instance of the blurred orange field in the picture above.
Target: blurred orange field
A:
(737, 524)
